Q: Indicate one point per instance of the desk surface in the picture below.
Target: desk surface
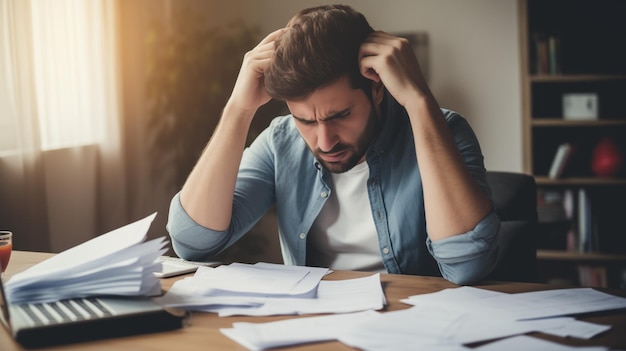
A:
(204, 334)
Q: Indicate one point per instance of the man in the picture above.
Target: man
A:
(367, 173)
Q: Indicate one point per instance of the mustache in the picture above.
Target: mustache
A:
(335, 149)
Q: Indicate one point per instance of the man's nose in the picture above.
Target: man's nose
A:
(326, 137)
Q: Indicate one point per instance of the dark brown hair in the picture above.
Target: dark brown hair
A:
(320, 45)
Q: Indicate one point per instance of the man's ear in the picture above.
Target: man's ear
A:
(378, 91)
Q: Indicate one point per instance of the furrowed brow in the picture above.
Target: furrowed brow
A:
(330, 117)
(335, 115)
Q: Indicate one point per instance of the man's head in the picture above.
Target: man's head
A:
(315, 69)
(319, 46)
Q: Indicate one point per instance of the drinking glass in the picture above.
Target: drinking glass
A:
(6, 246)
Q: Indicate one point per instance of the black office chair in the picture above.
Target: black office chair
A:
(515, 199)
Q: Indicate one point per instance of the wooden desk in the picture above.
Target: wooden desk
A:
(204, 334)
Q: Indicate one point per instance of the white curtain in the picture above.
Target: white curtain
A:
(62, 175)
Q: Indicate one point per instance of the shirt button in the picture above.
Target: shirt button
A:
(386, 251)
(302, 235)
(324, 194)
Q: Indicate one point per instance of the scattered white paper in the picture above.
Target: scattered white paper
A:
(525, 343)
(184, 294)
(293, 290)
(577, 329)
(561, 302)
(487, 315)
(334, 296)
(457, 296)
(480, 327)
(262, 279)
(421, 327)
(529, 305)
(242, 285)
(261, 336)
(119, 262)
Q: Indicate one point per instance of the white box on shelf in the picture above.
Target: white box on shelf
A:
(580, 106)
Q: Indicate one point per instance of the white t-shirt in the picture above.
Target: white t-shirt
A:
(343, 236)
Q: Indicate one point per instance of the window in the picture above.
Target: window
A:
(72, 66)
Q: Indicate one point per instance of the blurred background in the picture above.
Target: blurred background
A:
(105, 105)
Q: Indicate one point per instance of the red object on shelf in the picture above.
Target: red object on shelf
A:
(607, 159)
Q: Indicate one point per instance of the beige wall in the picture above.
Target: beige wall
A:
(474, 57)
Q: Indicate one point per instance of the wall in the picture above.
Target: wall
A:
(146, 191)
(71, 190)
(474, 56)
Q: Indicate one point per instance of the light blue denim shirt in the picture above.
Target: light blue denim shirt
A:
(278, 169)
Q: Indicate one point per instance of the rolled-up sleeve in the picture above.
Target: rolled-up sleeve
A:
(190, 240)
(468, 257)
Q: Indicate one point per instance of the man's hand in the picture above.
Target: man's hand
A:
(249, 92)
(453, 202)
(392, 60)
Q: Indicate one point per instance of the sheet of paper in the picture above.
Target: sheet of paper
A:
(480, 327)
(261, 336)
(183, 294)
(560, 302)
(401, 342)
(313, 277)
(577, 329)
(530, 305)
(334, 296)
(259, 279)
(455, 295)
(418, 328)
(173, 266)
(525, 343)
(242, 285)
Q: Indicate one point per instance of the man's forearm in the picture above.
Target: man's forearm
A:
(207, 195)
(454, 202)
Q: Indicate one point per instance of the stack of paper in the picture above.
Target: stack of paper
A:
(120, 262)
(266, 289)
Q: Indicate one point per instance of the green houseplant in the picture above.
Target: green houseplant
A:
(191, 68)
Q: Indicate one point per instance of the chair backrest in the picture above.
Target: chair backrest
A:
(515, 199)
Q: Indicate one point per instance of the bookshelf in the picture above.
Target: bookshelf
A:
(573, 75)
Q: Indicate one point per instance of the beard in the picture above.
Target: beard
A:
(355, 151)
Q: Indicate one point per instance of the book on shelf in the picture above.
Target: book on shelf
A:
(569, 204)
(542, 54)
(584, 221)
(561, 158)
(554, 54)
(547, 54)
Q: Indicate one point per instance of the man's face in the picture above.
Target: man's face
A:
(338, 123)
